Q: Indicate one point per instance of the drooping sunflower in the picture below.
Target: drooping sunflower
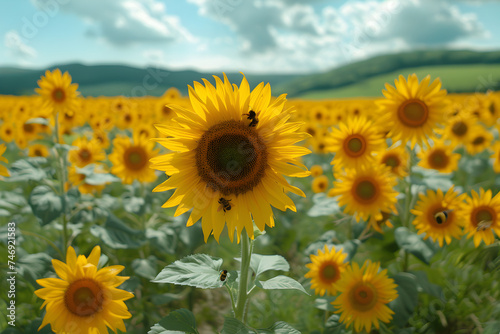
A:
(395, 157)
(84, 299)
(319, 184)
(482, 216)
(230, 152)
(366, 192)
(325, 270)
(354, 143)
(3, 170)
(130, 159)
(439, 157)
(87, 152)
(364, 294)
(57, 91)
(412, 109)
(437, 215)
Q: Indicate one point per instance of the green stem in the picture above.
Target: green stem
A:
(231, 296)
(246, 254)
(62, 182)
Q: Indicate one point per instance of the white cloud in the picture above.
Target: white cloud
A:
(17, 46)
(126, 22)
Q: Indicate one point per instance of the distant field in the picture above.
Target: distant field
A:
(456, 78)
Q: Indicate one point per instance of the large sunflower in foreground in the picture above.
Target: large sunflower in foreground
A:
(325, 270)
(354, 142)
(230, 152)
(366, 192)
(364, 295)
(84, 300)
(57, 91)
(412, 109)
(482, 216)
(437, 215)
(130, 159)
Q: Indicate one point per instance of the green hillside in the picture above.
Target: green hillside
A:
(455, 78)
(356, 73)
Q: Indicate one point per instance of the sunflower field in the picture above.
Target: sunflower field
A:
(235, 211)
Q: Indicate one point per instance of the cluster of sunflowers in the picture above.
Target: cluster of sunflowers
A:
(227, 150)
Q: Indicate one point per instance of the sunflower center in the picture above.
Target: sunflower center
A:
(69, 115)
(58, 95)
(329, 273)
(231, 158)
(28, 128)
(413, 113)
(492, 108)
(459, 129)
(438, 159)
(84, 154)
(135, 158)
(311, 131)
(354, 145)
(391, 161)
(365, 191)
(483, 214)
(37, 152)
(363, 297)
(84, 297)
(128, 118)
(478, 140)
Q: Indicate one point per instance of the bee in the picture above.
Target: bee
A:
(224, 204)
(252, 115)
(483, 225)
(441, 216)
(223, 275)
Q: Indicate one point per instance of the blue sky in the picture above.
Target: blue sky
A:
(259, 36)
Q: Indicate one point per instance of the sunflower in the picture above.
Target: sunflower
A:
(482, 216)
(38, 150)
(366, 192)
(57, 91)
(437, 215)
(439, 157)
(395, 157)
(377, 224)
(84, 299)
(364, 295)
(87, 152)
(131, 159)
(316, 170)
(3, 169)
(496, 156)
(479, 141)
(320, 184)
(7, 132)
(77, 179)
(325, 270)
(458, 128)
(412, 109)
(354, 142)
(230, 152)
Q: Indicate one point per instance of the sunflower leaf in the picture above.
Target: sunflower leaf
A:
(323, 206)
(199, 270)
(407, 299)
(29, 169)
(179, 321)
(280, 282)
(262, 263)
(413, 243)
(117, 235)
(234, 326)
(46, 205)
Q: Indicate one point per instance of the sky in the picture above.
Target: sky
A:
(254, 36)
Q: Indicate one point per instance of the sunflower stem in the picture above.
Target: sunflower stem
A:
(62, 182)
(246, 254)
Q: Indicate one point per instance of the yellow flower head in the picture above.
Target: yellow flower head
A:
(395, 157)
(437, 215)
(320, 184)
(86, 152)
(412, 109)
(364, 294)
(479, 140)
(84, 299)
(316, 170)
(38, 150)
(439, 157)
(230, 152)
(325, 270)
(57, 91)
(3, 169)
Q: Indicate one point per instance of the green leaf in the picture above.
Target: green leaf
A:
(234, 326)
(94, 178)
(117, 235)
(325, 303)
(46, 205)
(163, 238)
(407, 299)
(280, 282)
(29, 169)
(425, 286)
(430, 178)
(33, 266)
(349, 247)
(333, 325)
(180, 320)
(262, 263)
(134, 204)
(199, 270)
(413, 243)
(279, 327)
(145, 267)
(157, 329)
(38, 120)
(323, 206)
(326, 238)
